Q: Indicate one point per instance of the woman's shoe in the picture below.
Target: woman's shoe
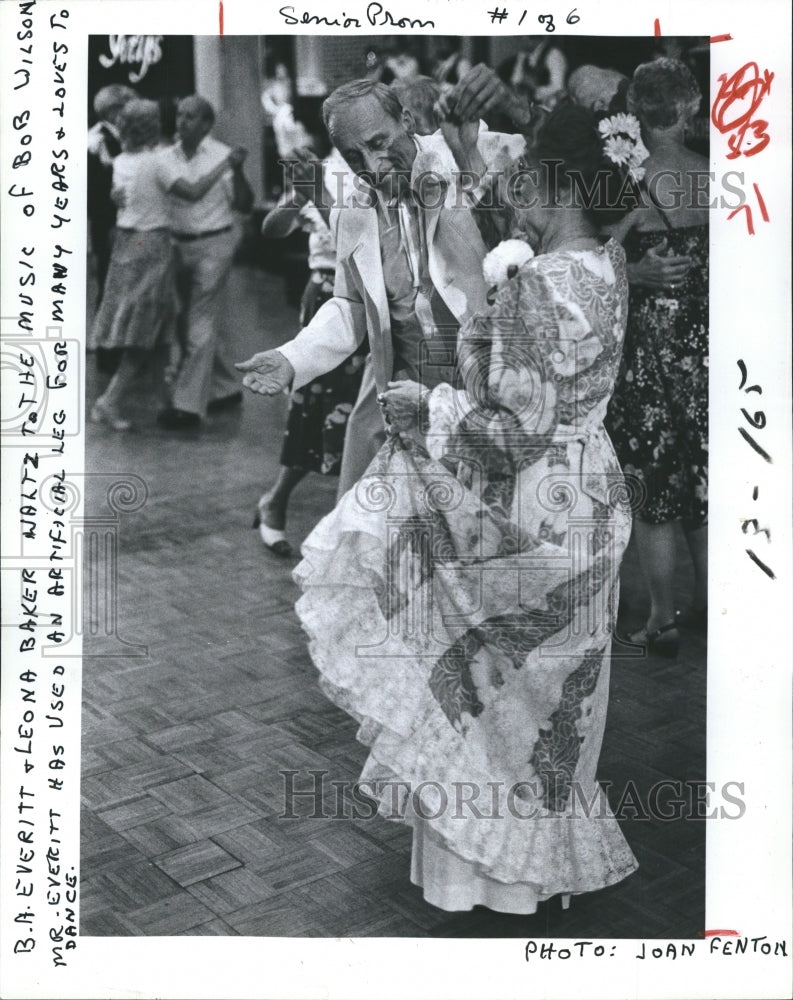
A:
(664, 641)
(102, 414)
(273, 538)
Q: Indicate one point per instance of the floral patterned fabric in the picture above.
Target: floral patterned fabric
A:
(460, 600)
(658, 417)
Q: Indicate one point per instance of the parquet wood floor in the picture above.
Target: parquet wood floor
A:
(182, 747)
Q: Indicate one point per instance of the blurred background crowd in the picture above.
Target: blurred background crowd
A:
(267, 93)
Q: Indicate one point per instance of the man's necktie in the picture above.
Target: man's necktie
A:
(410, 236)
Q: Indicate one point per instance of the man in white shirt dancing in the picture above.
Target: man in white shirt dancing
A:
(205, 180)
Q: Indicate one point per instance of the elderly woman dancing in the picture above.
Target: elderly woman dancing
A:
(138, 308)
(460, 601)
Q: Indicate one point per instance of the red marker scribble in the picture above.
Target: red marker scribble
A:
(720, 38)
(761, 202)
(707, 934)
(747, 209)
(220, 17)
(657, 28)
(746, 88)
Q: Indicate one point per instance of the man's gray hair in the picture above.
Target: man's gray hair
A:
(594, 87)
(356, 89)
(112, 97)
(203, 105)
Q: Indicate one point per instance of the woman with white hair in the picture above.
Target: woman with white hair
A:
(104, 145)
(139, 306)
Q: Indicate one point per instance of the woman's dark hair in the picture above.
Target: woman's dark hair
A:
(569, 148)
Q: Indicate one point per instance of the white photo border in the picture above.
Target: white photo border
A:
(750, 649)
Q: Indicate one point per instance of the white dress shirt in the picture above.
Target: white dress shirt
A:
(214, 210)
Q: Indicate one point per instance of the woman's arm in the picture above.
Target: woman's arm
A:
(556, 64)
(195, 190)
(657, 271)
(480, 190)
(461, 139)
(619, 230)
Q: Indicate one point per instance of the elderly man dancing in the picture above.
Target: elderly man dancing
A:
(409, 257)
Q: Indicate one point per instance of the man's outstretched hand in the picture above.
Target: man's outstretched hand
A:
(267, 373)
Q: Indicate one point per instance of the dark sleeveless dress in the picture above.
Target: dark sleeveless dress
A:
(658, 416)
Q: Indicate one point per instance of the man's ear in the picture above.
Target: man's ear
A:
(408, 121)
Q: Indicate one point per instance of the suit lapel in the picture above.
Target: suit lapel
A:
(359, 250)
(455, 252)
(455, 249)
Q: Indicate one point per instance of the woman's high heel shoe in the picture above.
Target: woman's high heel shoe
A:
(101, 414)
(663, 641)
(272, 538)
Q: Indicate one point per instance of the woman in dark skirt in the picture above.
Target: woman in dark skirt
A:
(318, 413)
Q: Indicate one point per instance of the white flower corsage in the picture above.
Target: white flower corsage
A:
(504, 260)
(622, 143)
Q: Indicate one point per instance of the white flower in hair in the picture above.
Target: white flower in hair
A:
(618, 150)
(508, 254)
(623, 144)
(632, 127)
(622, 123)
(636, 173)
(606, 127)
(638, 156)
